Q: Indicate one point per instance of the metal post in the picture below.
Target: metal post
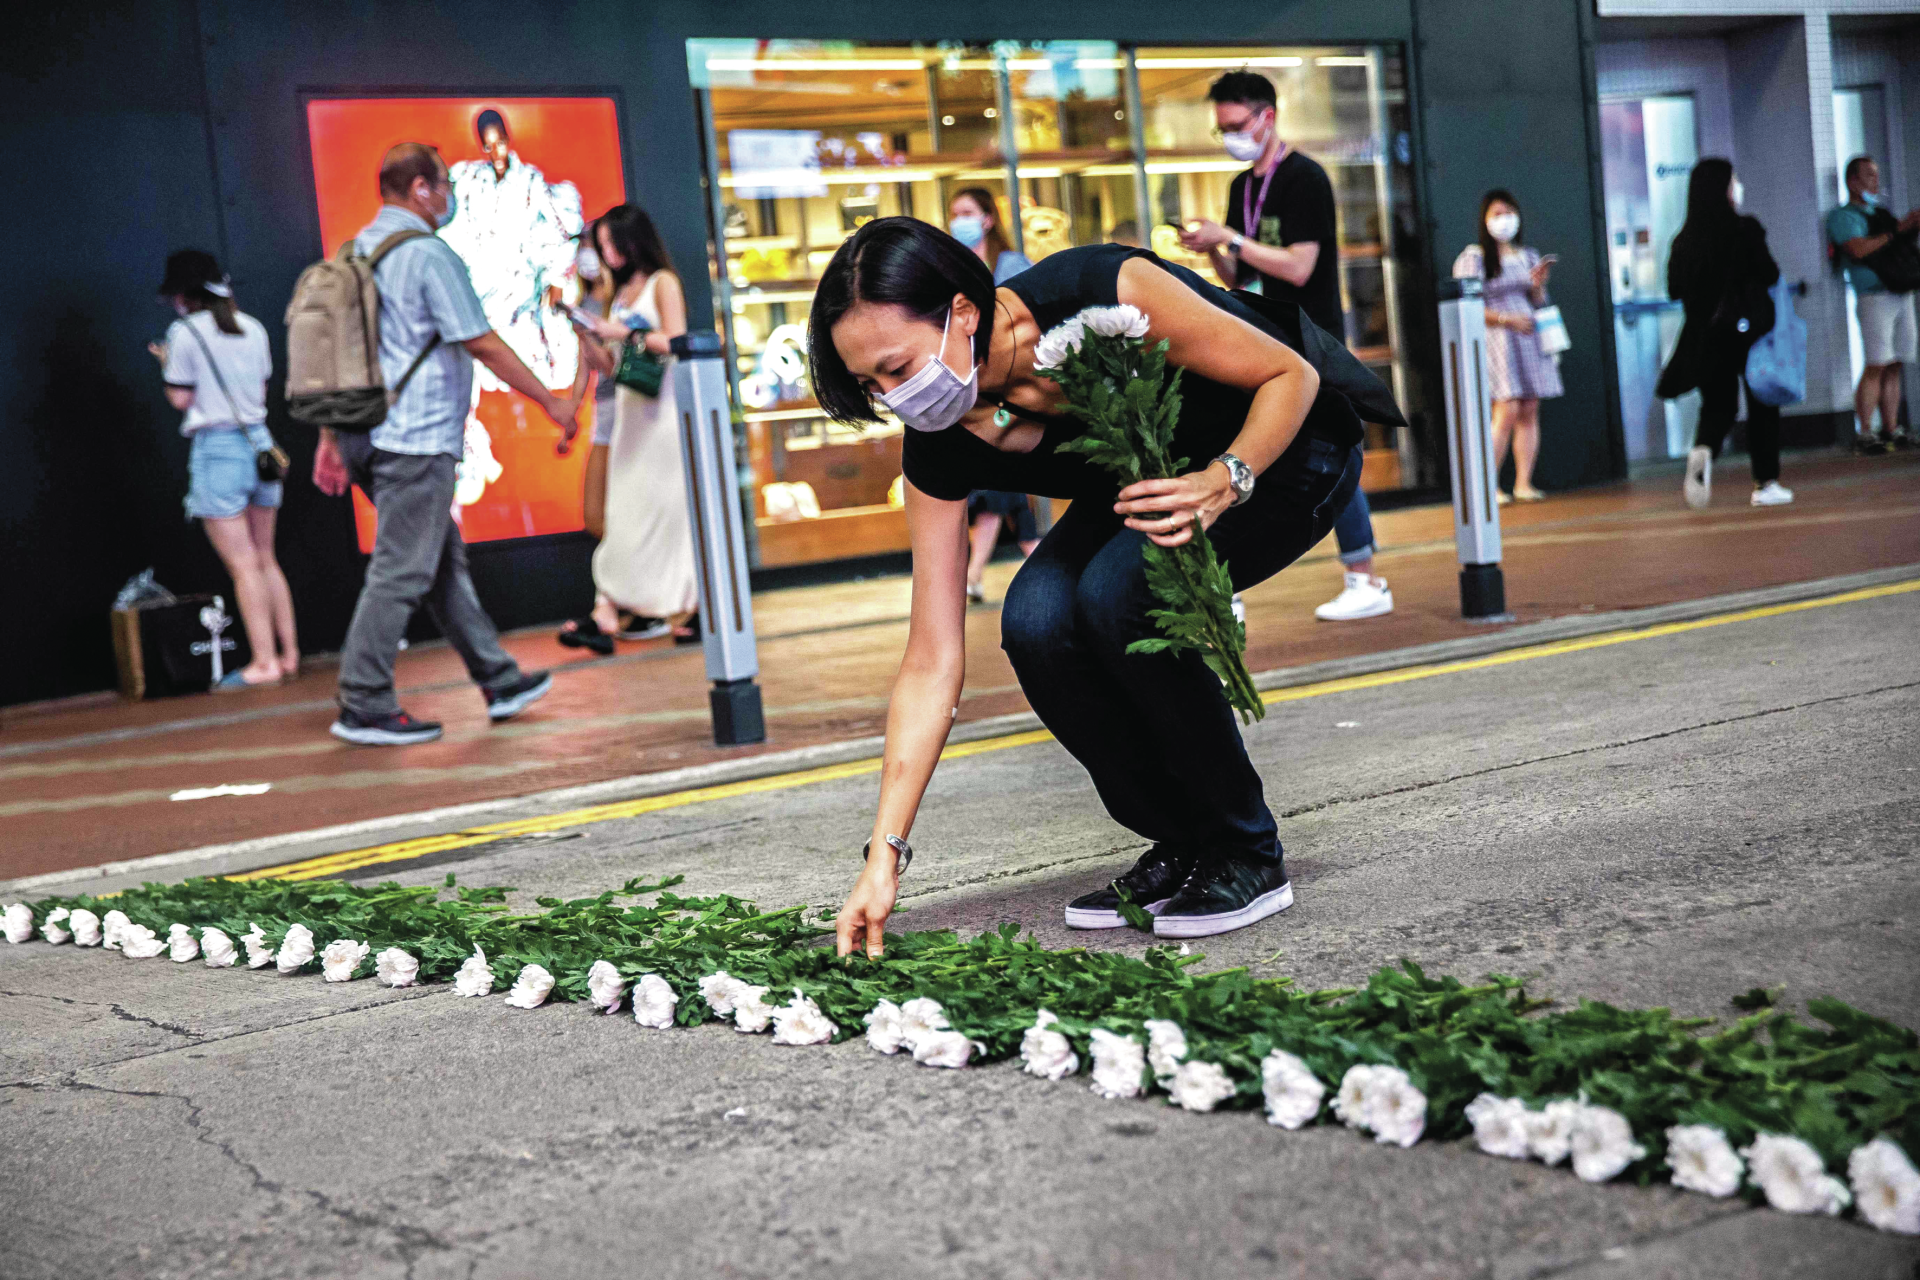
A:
(1476, 512)
(719, 538)
(723, 290)
(1009, 146)
(1144, 216)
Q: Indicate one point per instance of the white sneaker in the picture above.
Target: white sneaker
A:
(1365, 597)
(1698, 486)
(1771, 494)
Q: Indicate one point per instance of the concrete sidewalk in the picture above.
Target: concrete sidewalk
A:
(1665, 821)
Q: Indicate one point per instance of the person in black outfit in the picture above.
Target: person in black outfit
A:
(1281, 240)
(905, 314)
(1720, 270)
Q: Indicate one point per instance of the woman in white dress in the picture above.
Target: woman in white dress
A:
(643, 569)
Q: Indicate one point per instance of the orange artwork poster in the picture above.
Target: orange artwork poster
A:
(519, 207)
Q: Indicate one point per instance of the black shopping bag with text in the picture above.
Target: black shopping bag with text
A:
(190, 644)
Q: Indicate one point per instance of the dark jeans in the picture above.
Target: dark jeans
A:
(1155, 731)
(418, 559)
(1353, 528)
(1719, 401)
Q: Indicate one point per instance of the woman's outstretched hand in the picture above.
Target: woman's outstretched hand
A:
(1164, 510)
(863, 920)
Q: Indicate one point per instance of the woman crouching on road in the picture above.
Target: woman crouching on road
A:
(907, 316)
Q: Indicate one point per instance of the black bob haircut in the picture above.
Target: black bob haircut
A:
(900, 262)
(1248, 88)
(490, 117)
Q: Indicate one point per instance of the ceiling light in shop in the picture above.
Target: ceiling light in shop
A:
(1340, 61)
(1196, 64)
(946, 120)
(816, 64)
(992, 112)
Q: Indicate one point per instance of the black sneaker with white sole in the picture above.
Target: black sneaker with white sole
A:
(1152, 882)
(396, 729)
(505, 703)
(1224, 894)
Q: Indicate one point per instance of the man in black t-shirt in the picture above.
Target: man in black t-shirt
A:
(1280, 238)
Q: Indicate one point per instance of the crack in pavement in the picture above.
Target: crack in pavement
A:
(118, 1011)
(1624, 1253)
(1425, 784)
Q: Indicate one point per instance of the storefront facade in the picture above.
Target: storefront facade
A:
(189, 125)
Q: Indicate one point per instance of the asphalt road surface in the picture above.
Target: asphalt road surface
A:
(1668, 821)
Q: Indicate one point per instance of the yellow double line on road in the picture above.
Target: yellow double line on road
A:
(406, 850)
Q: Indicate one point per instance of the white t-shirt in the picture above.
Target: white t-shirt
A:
(245, 365)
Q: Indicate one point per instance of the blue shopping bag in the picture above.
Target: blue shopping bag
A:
(1777, 363)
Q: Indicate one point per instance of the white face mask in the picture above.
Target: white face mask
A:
(587, 262)
(934, 398)
(1504, 226)
(1244, 145)
(1739, 193)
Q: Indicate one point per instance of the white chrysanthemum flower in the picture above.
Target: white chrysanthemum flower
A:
(884, 1031)
(1886, 1186)
(1350, 1101)
(1293, 1092)
(138, 942)
(341, 958)
(1499, 1126)
(1122, 321)
(1117, 1063)
(217, 949)
(943, 1049)
(751, 1012)
(605, 987)
(1166, 1046)
(1602, 1144)
(800, 1021)
(296, 949)
(1793, 1175)
(1703, 1160)
(1200, 1086)
(476, 975)
(54, 927)
(259, 954)
(720, 990)
(113, 925)
(654, 1002)
(396, 968)
(1550, 1130)
(531, 988)
(1396, 1110)
(920, 1018)
(1045, 1052)
(181, 945)
(1057, 343)
(19, 922)
(86, 928)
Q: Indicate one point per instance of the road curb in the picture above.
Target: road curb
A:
(264, 850)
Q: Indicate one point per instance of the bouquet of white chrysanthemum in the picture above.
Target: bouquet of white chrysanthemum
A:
(1118, 386)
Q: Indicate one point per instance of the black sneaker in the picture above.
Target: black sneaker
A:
(1224, 894)
(1152, 883)
(396, 729)
(505, 703)
(1869, 445)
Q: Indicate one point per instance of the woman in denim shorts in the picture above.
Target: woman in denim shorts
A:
(215, 363)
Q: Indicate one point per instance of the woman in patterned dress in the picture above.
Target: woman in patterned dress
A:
(1521, 373)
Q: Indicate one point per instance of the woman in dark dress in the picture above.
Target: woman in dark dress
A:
(908, 316)
(1719, 270)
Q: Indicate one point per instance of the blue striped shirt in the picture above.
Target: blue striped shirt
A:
(424, 290)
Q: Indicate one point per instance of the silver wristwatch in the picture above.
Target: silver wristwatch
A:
(1233, 245)
(1239, 475)
(902, 851)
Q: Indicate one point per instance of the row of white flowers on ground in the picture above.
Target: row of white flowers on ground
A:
(1597, 1141)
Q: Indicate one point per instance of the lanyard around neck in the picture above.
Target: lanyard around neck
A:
(1248, 204)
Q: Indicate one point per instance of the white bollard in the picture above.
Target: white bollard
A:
(719, 538)
(1476, 509)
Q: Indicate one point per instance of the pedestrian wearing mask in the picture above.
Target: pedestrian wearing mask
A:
(1281, 240)
(1720, 270)
(1521, 374)
(216, 363)
(1860, 229)
(973, 219)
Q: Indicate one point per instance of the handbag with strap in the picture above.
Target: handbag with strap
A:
(1897, 262)
(271, 462)
(640, 370)
(1777, 364)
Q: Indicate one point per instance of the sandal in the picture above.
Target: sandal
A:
(637, 626)
(585, 633)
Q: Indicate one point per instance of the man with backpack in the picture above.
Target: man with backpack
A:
(1877, 251)
(431, 328)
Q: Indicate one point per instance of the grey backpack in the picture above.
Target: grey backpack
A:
(333, 341)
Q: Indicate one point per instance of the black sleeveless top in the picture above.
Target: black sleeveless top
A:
(949, 464)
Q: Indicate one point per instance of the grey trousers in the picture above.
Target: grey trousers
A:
(418, 558)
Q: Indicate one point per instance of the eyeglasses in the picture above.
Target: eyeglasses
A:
(1241, 126)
